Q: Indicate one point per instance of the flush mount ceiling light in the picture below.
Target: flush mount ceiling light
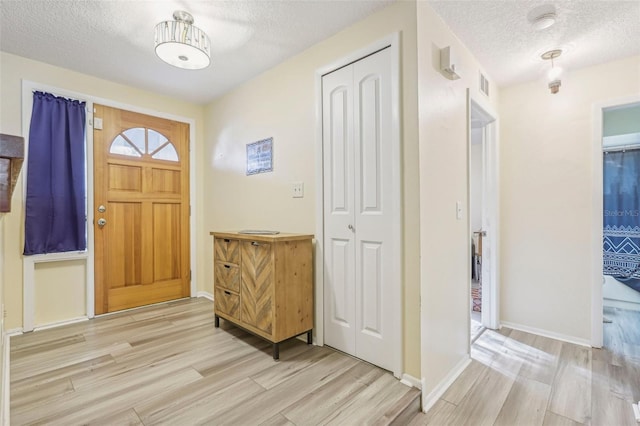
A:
(181, 44)
(543, 21)
(554, 73)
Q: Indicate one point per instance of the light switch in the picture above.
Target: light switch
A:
(458, 210)
(297, 190)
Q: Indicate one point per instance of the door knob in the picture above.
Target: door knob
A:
(102, 222)
(102, 208)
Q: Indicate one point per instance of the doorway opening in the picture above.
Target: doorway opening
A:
(483, 216)
(621, 226)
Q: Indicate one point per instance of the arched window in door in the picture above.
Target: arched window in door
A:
(140, 142)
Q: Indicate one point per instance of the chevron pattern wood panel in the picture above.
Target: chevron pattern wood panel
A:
(228, 276)
(257, 285)
(227, 250)
(226, 302)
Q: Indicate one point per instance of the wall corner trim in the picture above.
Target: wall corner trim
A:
(5, 385)
(428, 400)
(205, 294)
(411, 381)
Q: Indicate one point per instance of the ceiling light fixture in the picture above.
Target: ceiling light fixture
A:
(543, 21)
(554, 73)
(181, 44)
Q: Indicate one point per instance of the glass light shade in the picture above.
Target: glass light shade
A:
(554, 73)
(182, 45)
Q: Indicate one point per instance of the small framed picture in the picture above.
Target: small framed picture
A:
(260, 157)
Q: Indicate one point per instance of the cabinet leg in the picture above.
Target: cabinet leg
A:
(276, 351)
(309, 337)
(217, 321)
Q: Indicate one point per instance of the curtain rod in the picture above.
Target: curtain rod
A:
(621, 148)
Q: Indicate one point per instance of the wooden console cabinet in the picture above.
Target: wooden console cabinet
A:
(264, 284)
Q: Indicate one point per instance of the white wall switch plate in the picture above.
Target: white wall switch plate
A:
(297, 190)
(458, 210)
(97, 123)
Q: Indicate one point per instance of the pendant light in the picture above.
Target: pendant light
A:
(555, 72)
(181, 44)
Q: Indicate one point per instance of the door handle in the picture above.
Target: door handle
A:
(102, 222)
(351, 228)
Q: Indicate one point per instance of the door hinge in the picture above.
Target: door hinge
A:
(189, 274)
(189, 210)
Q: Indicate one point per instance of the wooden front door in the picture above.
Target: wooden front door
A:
(141, 209)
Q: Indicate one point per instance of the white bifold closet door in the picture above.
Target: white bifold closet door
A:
(358, 280)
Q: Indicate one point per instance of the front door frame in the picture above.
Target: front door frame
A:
(28, 309)
(597, 331)
(392, 42)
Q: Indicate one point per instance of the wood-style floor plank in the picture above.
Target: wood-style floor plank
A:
(514, 412)
(516, 378)
(168, 364)
(322, 402)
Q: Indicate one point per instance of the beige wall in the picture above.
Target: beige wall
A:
(68, 301)
(547, 196)
(444, 240)
(281, 103)
(2, 329)
(13, 70)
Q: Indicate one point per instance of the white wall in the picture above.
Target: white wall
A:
(3, 390)
(444, 240)
(547, 198)
(281, 103)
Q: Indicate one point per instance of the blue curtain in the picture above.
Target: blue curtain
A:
(621, 245)
(55, 201)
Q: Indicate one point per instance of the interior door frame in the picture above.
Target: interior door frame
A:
(597, 331)
(491, 203)
(28, 309)
(391, 41)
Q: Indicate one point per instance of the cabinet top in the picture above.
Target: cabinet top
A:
(262, 237)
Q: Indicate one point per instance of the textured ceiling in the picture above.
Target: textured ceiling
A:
(501, 37)
(113, 39)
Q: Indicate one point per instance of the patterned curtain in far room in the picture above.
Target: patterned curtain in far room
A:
(621, 245)
(55, 200)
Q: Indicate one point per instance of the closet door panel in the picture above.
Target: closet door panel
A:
(374, 280)
(338, 180)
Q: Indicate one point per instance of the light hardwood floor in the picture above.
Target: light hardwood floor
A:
(167, 364)
(516, 378)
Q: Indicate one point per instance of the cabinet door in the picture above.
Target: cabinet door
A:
(256, 303)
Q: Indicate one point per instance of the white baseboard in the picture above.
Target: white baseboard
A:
(5, 385)
(549, 334)
(429, 400)
(621, 304)
(205, 294)
(411, 381)
(13, 332)
(60, 323)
